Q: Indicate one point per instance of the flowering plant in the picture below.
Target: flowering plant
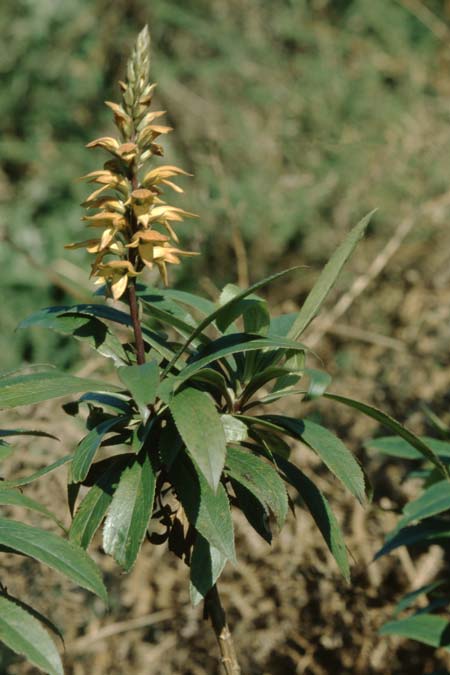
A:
(184, 432)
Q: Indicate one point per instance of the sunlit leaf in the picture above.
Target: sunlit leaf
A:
(22, 633)
(260, 478)
(129, 512)
(327, 278)
(55, 552)
(28, 389)
(201, 429)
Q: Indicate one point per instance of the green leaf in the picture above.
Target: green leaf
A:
(168, 313)
(394, 426)
(281, 325)
(182, 297)
(130, 511)
(261, 479)
(26, 432)
(201, 429)
(142, 381)
(116, 403)
(9, 497)
(214, 379)
(92, 509)
(434, 500)
(88, 446)
(262, 378)
(332, 451)
(328, 278)
(217, 313)
(394, 446)
(253, 310)
(53, 551)
(319, 508)
(208, 511)
(115, 315)
(232, 344)
(429, 531)
(409, 599)
(430, 629)
(26, 480)
(207, 564)
(22, 633)
(28, 389)
(100, 311)
(83, 327)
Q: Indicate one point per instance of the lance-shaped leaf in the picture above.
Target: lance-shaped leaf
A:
(430, 629)
(327, 278)
(53, 551)
(26, 480)
(433, 501)
(208, 511)
(83, 327)
(409, 599)
(319, 508)
(398, 447)
(217, 313)
(27, 389)
(207, 563)
(201, 429)
(88, 446)
(181, 297)
(259, 478)
(282, 324)
(115, 315)
(10, 497)
(394, 426)
(130, 511)
(252, 308)
(4, 433)
(94, 506)
(233, 344)
(142, 381)
(427, 532)
(331, 450)
(22, 633)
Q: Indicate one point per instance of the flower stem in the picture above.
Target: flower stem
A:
(215, 611)
(134, 315)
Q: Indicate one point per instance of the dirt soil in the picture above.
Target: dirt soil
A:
(288, 607)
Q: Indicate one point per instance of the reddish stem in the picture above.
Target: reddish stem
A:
(134, 314)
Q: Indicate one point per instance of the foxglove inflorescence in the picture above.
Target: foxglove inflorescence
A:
(135, 223)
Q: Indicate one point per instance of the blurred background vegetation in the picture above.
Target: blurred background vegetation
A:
(296, 117)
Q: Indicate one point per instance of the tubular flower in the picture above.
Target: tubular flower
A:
(155, 249)
(116, 274)
(122, 206)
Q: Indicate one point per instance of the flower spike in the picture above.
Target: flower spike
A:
(127, 208)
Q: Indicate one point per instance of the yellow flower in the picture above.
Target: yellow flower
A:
(127, 208)
(116, 274)
(155, 249)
